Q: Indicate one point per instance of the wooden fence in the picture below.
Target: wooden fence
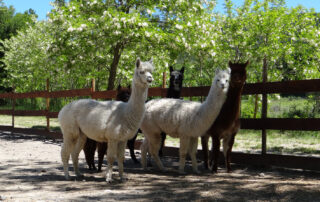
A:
(263, 124)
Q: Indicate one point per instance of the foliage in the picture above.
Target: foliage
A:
(100, 39)
(10, 23)
(27, 57)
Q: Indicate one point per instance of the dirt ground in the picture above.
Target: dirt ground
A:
(31, 170)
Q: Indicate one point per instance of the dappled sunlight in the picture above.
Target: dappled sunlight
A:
(34, 170)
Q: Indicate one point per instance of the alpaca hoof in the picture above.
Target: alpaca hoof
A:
(67, 177)
(145, 169)
(109, 180)
(123, 179)
(80, 176)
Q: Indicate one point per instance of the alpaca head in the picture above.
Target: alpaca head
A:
(123, 94)
(221, 79)
(176, 78)
(143, 73)
(238, 74)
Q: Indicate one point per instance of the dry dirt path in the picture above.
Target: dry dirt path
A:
(31, 170)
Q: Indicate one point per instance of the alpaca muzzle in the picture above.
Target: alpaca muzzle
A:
(149, 79)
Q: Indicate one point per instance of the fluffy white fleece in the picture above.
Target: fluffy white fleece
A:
(182, 119)
(114, 122)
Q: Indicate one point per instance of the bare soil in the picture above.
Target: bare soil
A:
(31, 170)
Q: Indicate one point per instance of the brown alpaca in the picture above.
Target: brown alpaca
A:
(89, 149)
(227, 124)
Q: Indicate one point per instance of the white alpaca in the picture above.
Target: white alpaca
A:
(114, 122)
(182, 119)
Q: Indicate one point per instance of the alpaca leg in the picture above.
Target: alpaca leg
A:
(144, 150)
(163, 138)
(154, 146)
(215, 153)
(130, 145)
(227, 148)
(86, 150)
(193, 146)
(120, 158)
(93, 151)
(102, 150)
(184, 145)
(205, 150)
(89, 151)
(66, 149)
(111, 156)
(76, 151)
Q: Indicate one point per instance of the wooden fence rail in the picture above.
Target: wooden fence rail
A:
(302, 86)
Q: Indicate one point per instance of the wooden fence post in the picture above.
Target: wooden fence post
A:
(164, 78)
(93, 87)
(264, 107)
(48, 105)
(13, 106)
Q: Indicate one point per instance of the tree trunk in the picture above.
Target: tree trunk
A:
(114, 66)
(264, 105)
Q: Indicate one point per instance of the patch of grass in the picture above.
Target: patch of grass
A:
(249, 141)
(28, 122)
(279, 142)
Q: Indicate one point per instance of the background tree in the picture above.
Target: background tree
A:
(101, 39)
(10, 23)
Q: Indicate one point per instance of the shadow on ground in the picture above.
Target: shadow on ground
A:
(34, 171)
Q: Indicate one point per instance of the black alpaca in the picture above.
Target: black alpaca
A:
(174, 91)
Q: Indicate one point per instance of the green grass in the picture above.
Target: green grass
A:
(29, 122)
(287, 107)
(249, 141)
(278, 142)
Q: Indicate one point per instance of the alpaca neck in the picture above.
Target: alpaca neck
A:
(172, 93)
(233, 101)
(209, 110)
(137, 99)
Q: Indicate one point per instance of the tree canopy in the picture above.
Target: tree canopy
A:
(101, 39)
(10, 23)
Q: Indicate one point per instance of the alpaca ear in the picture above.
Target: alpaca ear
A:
(151, 60)
(138, 62)
(119, 87)
(230, 64)
(182, 70)
(129, 86)
(217, 71)
(171, 69)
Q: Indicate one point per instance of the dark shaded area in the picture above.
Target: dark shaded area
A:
(245, 183)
